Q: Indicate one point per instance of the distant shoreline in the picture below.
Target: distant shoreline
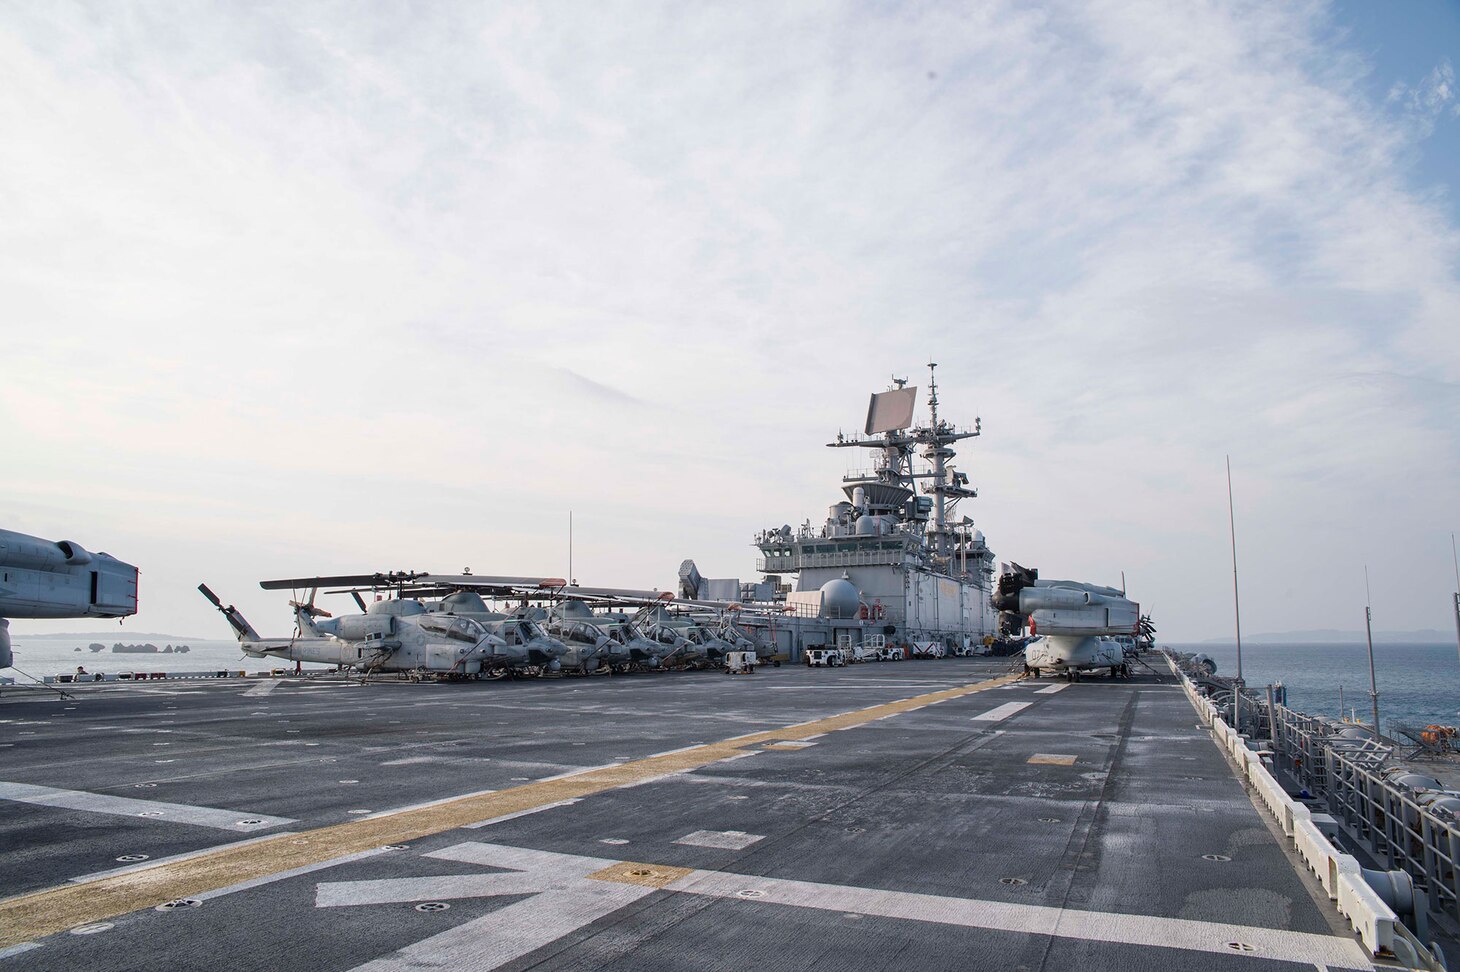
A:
(113, 633)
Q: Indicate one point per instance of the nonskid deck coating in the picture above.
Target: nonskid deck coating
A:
(912, 804)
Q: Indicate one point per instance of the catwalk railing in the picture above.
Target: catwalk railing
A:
(1341, 772)
(1398, 829)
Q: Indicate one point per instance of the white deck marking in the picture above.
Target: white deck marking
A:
(558, 883)
(562, 887)
(264, 688)
(144, 865)
(292, 872)
(720, 839)
(1002, 712)
(47, 796)
(1150, 931)
(520, 813)
(1051, 689)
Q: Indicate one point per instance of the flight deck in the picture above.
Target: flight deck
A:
(935, 815)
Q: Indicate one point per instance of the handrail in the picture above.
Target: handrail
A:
(1340, 875)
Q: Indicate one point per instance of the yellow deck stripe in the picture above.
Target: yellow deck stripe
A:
(31, 916)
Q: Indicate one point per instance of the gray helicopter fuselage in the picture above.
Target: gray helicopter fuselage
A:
(1065, 653)
(392, 636)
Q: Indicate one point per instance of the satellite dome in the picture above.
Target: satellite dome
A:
(840, 599)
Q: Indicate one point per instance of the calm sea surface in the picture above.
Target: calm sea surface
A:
(55, 656)
(1418, 684)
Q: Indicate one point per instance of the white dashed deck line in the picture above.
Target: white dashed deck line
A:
(1002, 712)
(1051, 689)
(520, 813)
(174, 858)
(264, 688)
(428, 803)
(720, 839)
(218, 819)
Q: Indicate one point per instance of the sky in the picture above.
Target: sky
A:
(299, 289)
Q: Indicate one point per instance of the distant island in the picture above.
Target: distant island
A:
(1425, 636)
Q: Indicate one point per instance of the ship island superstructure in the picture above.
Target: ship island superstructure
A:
(894, 562)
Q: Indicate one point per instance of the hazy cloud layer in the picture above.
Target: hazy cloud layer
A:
(295, 289)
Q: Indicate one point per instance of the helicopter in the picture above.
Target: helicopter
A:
(59, 579)
(1077, 626)
(565, 636)
(392, 636)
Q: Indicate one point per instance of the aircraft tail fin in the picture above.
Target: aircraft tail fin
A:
(241, 628)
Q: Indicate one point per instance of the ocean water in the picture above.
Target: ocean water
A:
(57, 656)
(1418, 684)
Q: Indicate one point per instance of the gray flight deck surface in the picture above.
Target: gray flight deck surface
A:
(1036, 825)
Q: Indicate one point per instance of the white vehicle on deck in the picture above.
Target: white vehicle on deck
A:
(928, 649)
(740, 662)
(823, 657)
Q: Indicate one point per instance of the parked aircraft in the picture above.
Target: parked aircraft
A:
(59, 579)
(1075, 624)
(397, 635)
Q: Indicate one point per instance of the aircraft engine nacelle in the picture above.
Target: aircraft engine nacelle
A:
(33, 553)
(362, 627)
(6, 659)
(74, 553)
(1033, 599)
(1109, 616)
(47, 579)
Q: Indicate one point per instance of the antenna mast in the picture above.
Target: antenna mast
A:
(1369, 633)
(940, 509)
(1236, 606)
(1456, 560)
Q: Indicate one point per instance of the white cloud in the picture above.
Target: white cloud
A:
(300, 290)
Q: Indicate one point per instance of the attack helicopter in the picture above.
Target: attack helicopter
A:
(391, 636)
(596, 643)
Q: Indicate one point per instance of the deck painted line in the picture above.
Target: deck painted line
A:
(295, 872)
(1002, 712)
(35, 915)
(171, 859)
(46, 796)
(1150, 931)
(428, 803)
(5, 953)
(588, 886)
(720, 839)
(1051, 689)
(264, 688)
(1051, 759)
(520, 813)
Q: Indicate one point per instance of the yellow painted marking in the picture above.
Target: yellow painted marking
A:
(1052, 759)
(647, 875)
(790, 746)
(31, 916)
